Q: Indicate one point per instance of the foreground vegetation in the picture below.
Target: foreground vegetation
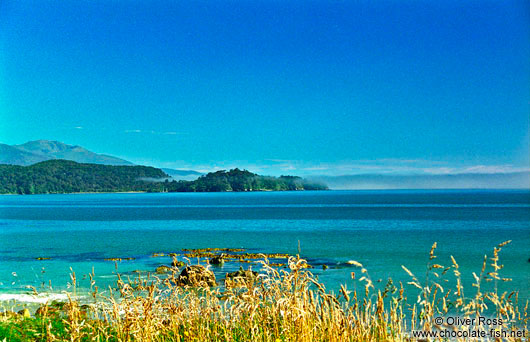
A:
(63, 176)
(286, 305)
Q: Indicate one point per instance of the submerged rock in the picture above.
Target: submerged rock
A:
(263, 255)
(203, 250)
(210, 252)
(118, 259)
(196, 275)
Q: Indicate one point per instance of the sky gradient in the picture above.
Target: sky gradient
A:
(297, 87)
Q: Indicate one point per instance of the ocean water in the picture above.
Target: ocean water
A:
(380, 229)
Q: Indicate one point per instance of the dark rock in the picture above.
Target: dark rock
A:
(46, 310)
(196, 275)
(218, 259)
(176, 263)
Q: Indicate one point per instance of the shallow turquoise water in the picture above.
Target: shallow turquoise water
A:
(381, 229)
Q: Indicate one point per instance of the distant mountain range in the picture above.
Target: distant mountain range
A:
(41, 150)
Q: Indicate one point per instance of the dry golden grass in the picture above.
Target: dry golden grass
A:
(288, 305)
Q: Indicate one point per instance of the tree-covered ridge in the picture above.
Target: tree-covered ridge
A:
(241, 180)
(62, 176)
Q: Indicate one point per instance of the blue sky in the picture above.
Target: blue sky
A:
(298, 87)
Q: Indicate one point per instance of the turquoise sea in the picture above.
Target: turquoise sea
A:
(380, 229)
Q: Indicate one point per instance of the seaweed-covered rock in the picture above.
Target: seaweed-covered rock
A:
(241, 278)
(196, 275)
(119, 259)
(163, 269)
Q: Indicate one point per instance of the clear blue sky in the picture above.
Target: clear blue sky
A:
(297, 87)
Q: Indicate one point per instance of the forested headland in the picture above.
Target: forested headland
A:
(63, 176)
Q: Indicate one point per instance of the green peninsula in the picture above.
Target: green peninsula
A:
(63, 176)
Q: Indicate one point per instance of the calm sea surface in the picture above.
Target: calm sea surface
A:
(381, 229)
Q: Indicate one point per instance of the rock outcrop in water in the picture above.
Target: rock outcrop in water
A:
(241, 278)
(196, 276)
(163, 269)
(218, 259)
(176, 263)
